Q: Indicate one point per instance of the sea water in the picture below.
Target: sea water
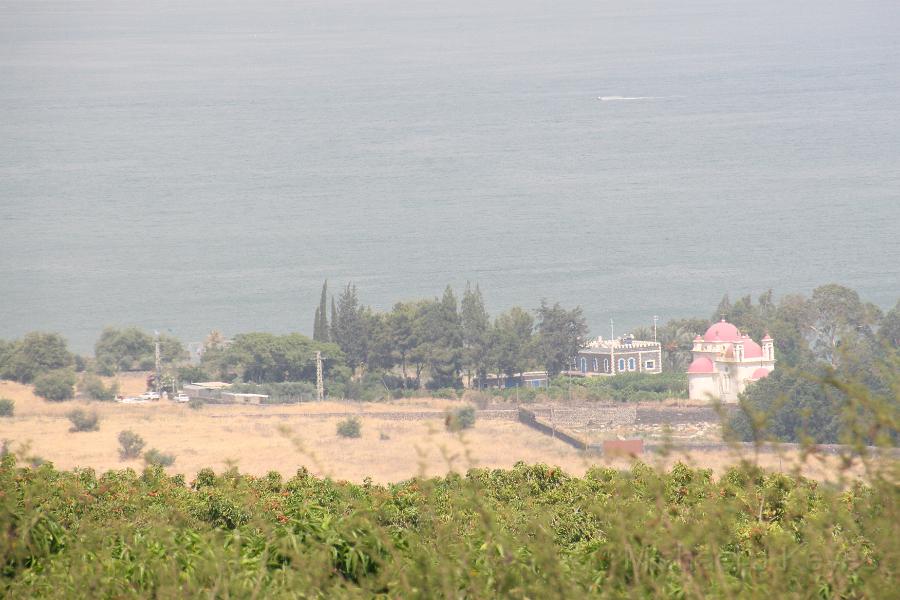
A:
(184, 166)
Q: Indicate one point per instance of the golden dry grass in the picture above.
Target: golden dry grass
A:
(284, 438)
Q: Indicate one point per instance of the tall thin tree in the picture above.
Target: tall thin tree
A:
(320, 329)
(475, 329)
(334, 321)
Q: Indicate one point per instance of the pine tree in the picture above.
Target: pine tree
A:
(476, 326)
(561, 333)
(349, 328)
(444, 332)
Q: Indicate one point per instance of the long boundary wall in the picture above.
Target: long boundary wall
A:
(527, 417)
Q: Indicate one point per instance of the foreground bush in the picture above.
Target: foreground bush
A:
(531, 531)
(83, 420)
(130, 444)
(56, 385)
(7, 407)
(460, 418)
(351, 427)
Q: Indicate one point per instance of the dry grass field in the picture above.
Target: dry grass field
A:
(257, 439)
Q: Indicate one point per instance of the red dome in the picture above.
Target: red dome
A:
(760, 373)
(701, 365)
(752, 349)
(723, 331)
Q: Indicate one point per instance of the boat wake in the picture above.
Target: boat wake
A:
(622, 98)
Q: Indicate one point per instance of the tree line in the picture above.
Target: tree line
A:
(438, 342)
(446, 338)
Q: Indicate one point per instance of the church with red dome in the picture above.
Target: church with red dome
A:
(726, 362)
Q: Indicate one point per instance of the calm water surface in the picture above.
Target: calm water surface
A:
(185, 166)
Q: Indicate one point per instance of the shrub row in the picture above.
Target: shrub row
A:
(531, 531)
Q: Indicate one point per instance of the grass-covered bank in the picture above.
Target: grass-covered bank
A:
(531, 531)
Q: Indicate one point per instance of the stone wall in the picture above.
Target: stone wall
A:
(595, 414)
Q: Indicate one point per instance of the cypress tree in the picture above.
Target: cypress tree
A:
(320, 330)
(317, 323)
(334, 321)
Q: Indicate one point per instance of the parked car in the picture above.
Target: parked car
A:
(181, 397)
(150, 396)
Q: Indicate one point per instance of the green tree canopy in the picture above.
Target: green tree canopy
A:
(124, 349)
(37, 352)
(889, 330)
(676, 338)
(349, 327)
(561, 334)
(441, 340)
(269, 358)
(836, 314)
(512, 342)
(131, 349)
(404, 332)
(476, 330)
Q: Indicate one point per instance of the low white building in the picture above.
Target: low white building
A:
(726, 362)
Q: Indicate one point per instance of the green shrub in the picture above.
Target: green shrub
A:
(55, 386)
(93, 387)
(351, 427)
(154, 457)
(196, 403)
(205, 478)
(444, 393)
(7, 407)
(460, 418)
(624, 387)
(83, 420)
(130, 444)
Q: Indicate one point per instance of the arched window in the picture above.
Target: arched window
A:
(583, 365)
(596, 364)
(631, 364)
(621, 364)
(606, 365)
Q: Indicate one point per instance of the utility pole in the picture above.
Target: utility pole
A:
(612, 330)
(655, 321)
(320, 382)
